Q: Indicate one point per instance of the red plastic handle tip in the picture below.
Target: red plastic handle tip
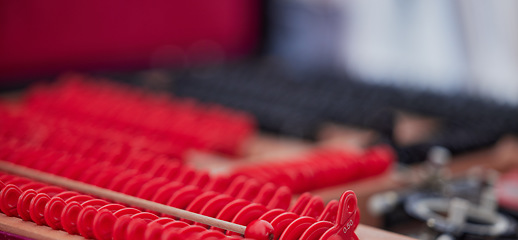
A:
(260, 230)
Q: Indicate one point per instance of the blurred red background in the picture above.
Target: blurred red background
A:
(39, 38)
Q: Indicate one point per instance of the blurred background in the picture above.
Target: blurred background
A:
(466, 47)
(295, 65)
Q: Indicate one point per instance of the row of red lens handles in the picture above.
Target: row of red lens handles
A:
(180, 187)
(320, 168)
(158, 180)
(116, 106)
(100, 219)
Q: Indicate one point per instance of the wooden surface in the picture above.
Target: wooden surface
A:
(365, 232)
(31, 230)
